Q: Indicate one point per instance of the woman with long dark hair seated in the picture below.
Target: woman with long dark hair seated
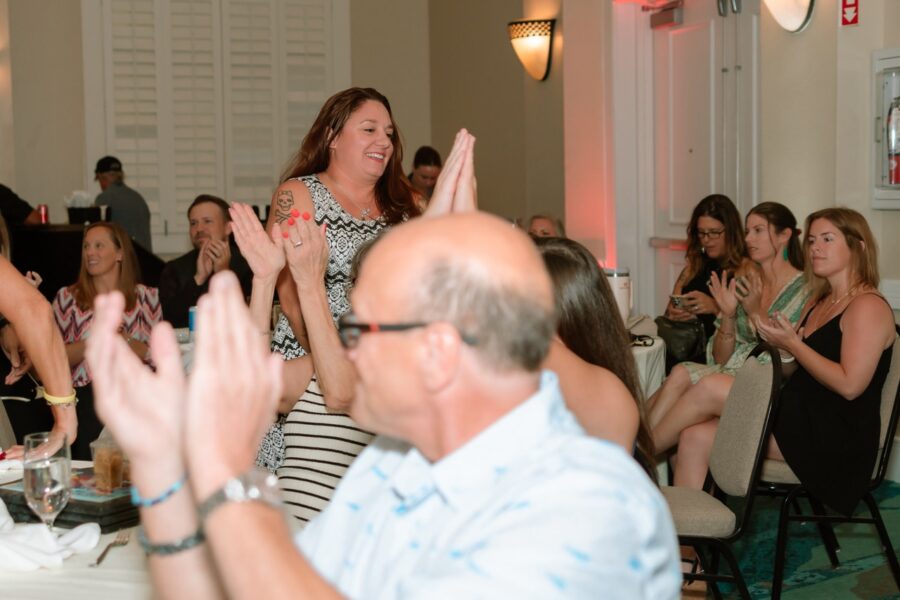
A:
(715, 237)
(591, 352)
(828, 426)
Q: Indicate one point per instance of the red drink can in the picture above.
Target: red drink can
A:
(44, 211)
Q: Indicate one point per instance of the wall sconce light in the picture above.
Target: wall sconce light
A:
(532, 41)
(792, 15)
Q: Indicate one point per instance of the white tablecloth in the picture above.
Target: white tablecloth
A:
(651, 365)
(122, 575)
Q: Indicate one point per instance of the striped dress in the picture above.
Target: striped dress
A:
(319, 445)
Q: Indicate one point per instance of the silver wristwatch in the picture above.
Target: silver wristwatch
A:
(254, 485)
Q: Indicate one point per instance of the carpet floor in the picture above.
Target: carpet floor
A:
(863, 572)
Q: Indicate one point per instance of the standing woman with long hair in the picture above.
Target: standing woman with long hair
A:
(715, 237)
(591, 352)
(342, 188)
(694, 394)
(108, 263)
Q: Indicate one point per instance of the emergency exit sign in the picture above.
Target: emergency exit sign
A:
(849, 12)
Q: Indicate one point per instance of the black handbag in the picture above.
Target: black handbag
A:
(685, 340)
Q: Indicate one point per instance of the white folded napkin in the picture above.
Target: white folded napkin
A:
(10, 465)
(27, 547)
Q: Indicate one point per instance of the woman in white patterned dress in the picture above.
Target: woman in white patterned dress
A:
(344, 186)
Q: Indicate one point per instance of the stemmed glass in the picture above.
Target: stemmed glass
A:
(48, 474)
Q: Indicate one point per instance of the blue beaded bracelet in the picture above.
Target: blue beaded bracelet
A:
(136, 499)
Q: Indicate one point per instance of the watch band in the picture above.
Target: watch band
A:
(253, 486)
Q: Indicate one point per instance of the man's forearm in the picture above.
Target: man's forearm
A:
(238, 530)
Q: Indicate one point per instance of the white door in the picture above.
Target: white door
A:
(704, 114)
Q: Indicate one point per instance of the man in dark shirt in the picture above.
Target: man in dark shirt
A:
(186, 278)
(15, 210)
(128, 208)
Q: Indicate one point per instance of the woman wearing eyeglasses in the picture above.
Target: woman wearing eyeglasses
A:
(715, 244)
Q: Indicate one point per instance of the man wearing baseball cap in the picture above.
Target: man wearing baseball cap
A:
(127, 207)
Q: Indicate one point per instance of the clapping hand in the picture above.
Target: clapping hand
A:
(724, 292)
(778, 331)
(698, 303)
(232, 396)
(749, 291)
(456, 188)
(204, 265)
(19, 361)
(142, 408)
(34, 279)
(219, 254)
(262, 251)
(306, 249)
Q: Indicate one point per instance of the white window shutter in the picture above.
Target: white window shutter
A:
(133, 121)
(208, 96)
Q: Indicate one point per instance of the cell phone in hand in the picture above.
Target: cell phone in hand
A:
(677, 301)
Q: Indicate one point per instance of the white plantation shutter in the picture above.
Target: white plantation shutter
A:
(195, 106)
(208, 96)
(250, 118)
(307, 53)
(132, 97)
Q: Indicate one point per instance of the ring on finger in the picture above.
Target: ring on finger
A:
(298, 243)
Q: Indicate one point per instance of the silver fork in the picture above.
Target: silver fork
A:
(121, 539)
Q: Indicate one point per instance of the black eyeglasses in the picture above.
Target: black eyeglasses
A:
(712, 234)
(350, 330)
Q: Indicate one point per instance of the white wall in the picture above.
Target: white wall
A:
(47, 101)
(389, 50)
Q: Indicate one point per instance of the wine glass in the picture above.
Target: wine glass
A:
(47, 476)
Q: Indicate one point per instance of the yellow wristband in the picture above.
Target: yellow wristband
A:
(70, 399)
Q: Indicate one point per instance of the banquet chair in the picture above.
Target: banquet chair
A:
(779, 480)
(703, 520)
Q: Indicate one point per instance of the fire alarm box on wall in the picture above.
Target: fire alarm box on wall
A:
(886, 65)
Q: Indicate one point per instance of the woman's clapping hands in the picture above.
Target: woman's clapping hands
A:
(261, 250)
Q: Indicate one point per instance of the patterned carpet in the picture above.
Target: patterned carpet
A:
(808, 575)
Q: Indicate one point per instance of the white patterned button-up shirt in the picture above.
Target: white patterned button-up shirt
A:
(530, 508)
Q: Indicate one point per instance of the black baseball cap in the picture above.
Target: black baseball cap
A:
(107, 164)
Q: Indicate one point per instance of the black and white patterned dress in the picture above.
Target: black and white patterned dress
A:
(318, 445)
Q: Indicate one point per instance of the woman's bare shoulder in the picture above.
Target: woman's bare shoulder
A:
(870, 317)
(291, 194)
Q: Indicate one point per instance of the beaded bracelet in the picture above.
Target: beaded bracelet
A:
(149, 548)
(136, 499)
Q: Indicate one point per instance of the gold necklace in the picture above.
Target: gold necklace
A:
(825, 315)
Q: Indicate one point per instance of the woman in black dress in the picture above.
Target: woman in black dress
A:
(828, 425)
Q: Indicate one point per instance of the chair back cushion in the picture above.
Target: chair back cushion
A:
(889, 391)
(735, 450)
